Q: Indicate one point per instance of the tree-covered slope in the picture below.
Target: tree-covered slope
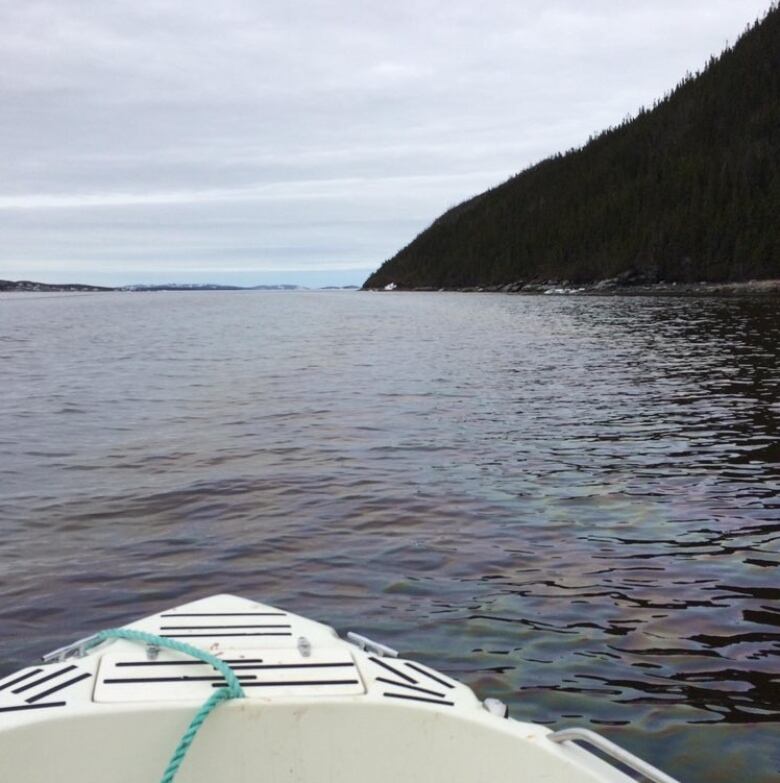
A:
(687, 191)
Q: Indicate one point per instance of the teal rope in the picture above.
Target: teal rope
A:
(233, 690)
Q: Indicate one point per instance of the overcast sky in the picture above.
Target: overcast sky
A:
(257, 142)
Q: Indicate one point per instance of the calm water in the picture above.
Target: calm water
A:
(571, 504)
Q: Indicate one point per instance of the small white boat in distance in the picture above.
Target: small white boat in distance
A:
(315, 708)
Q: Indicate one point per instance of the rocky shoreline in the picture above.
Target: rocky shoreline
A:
(619, 287)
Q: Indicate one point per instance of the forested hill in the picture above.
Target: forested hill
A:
(687, 191)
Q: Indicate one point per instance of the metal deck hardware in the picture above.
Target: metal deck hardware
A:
(496, 707)
(613, 751)
(73, 650)
(368, 645)
(304, 646)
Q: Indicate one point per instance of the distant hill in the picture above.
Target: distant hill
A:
(180, 287)
(209, 287)
(687, 191)
(31, 285)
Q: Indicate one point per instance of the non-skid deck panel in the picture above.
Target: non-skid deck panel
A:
(25, 707)
(406, 687)
(44, 678)
(127, 677)
(223, 625)
(400, 679)
(298, 685)
(223, 614)
(33, 688)
(16, 678)
(242, 627)
(221, 635)
(427, 674)
(406, 696)
(58, 687)
(228, 661)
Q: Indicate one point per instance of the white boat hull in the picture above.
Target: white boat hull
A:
(317, 709)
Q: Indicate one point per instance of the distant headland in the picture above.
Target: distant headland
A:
(686, 192)
(30, 285)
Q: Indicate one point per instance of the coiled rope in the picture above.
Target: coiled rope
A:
(232, 690)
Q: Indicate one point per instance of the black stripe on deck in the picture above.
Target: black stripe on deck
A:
(419, 698)
(285, 683)
(226, 614)
(24, 676)
(214, 635)
(32, 706)
(41, 680)
(410, 687)
(183, 678)
(292, 666)
(217, 627)
(66, 684)
(187, 663)
(430, 675)
(392, 670)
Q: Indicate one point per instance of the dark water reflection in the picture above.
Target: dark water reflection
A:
(572, 504)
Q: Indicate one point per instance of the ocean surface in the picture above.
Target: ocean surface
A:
(573, 504)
